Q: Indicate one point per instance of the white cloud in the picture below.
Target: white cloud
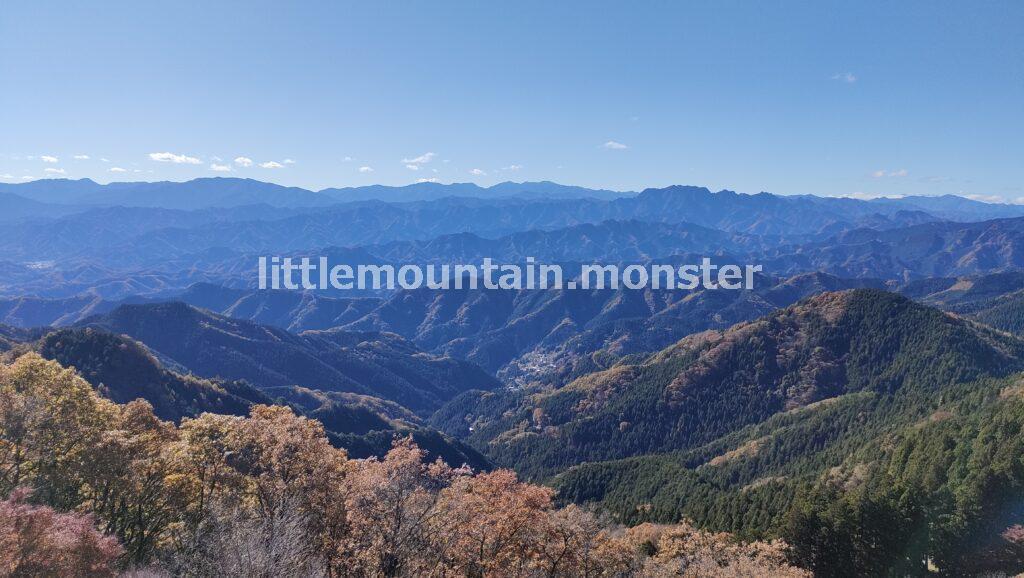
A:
(413, 167)
(6, 176)
(243, 161)
(272, 165)
(884, 173)
(54, 171)
(615, 146)
(220, 168)
(366, 169)
(27, 177)
(986, 198)
(81, 157)
(176, 159)
(426, 180)
(477, 172)
(106, 160)
(420, 160)
(511, 168)
(847, 77)
(347, 159)
(117, 170)
(863, 196)
(288, 162)
(47, 159)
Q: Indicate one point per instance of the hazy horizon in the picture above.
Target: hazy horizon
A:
(625, 192)
(829, 99)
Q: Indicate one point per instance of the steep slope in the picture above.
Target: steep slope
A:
(996, 299)
(1005, 312)
(37, 312)
(714, 383)
(289, 310)
(123, 370)
(969, 294)
(920, 479)
(367, 426)
(375, 364)
(12, 337)
(347, 413)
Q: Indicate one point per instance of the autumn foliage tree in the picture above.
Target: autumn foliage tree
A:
(37, 541)
(116, 488)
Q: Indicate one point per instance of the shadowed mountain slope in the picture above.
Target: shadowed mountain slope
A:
(210, 345)
(123, 370)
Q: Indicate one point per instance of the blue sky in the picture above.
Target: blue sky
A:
(789, 97)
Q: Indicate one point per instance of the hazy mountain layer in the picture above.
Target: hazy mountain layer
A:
(210, 345)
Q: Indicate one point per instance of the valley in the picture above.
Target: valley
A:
(760, 412)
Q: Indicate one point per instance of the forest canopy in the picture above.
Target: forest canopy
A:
(95, 488)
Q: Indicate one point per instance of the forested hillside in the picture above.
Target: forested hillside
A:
(93, 488)
(859, 485)
(714, 383)
(800, 424)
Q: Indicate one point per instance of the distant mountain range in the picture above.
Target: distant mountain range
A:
(865, 396)
(549, 336)
(162, 263)
(935, 249)
(502, 209)
(15, 208)
(520, 335)
(61, 237)
(225, 192)
(433, 191)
